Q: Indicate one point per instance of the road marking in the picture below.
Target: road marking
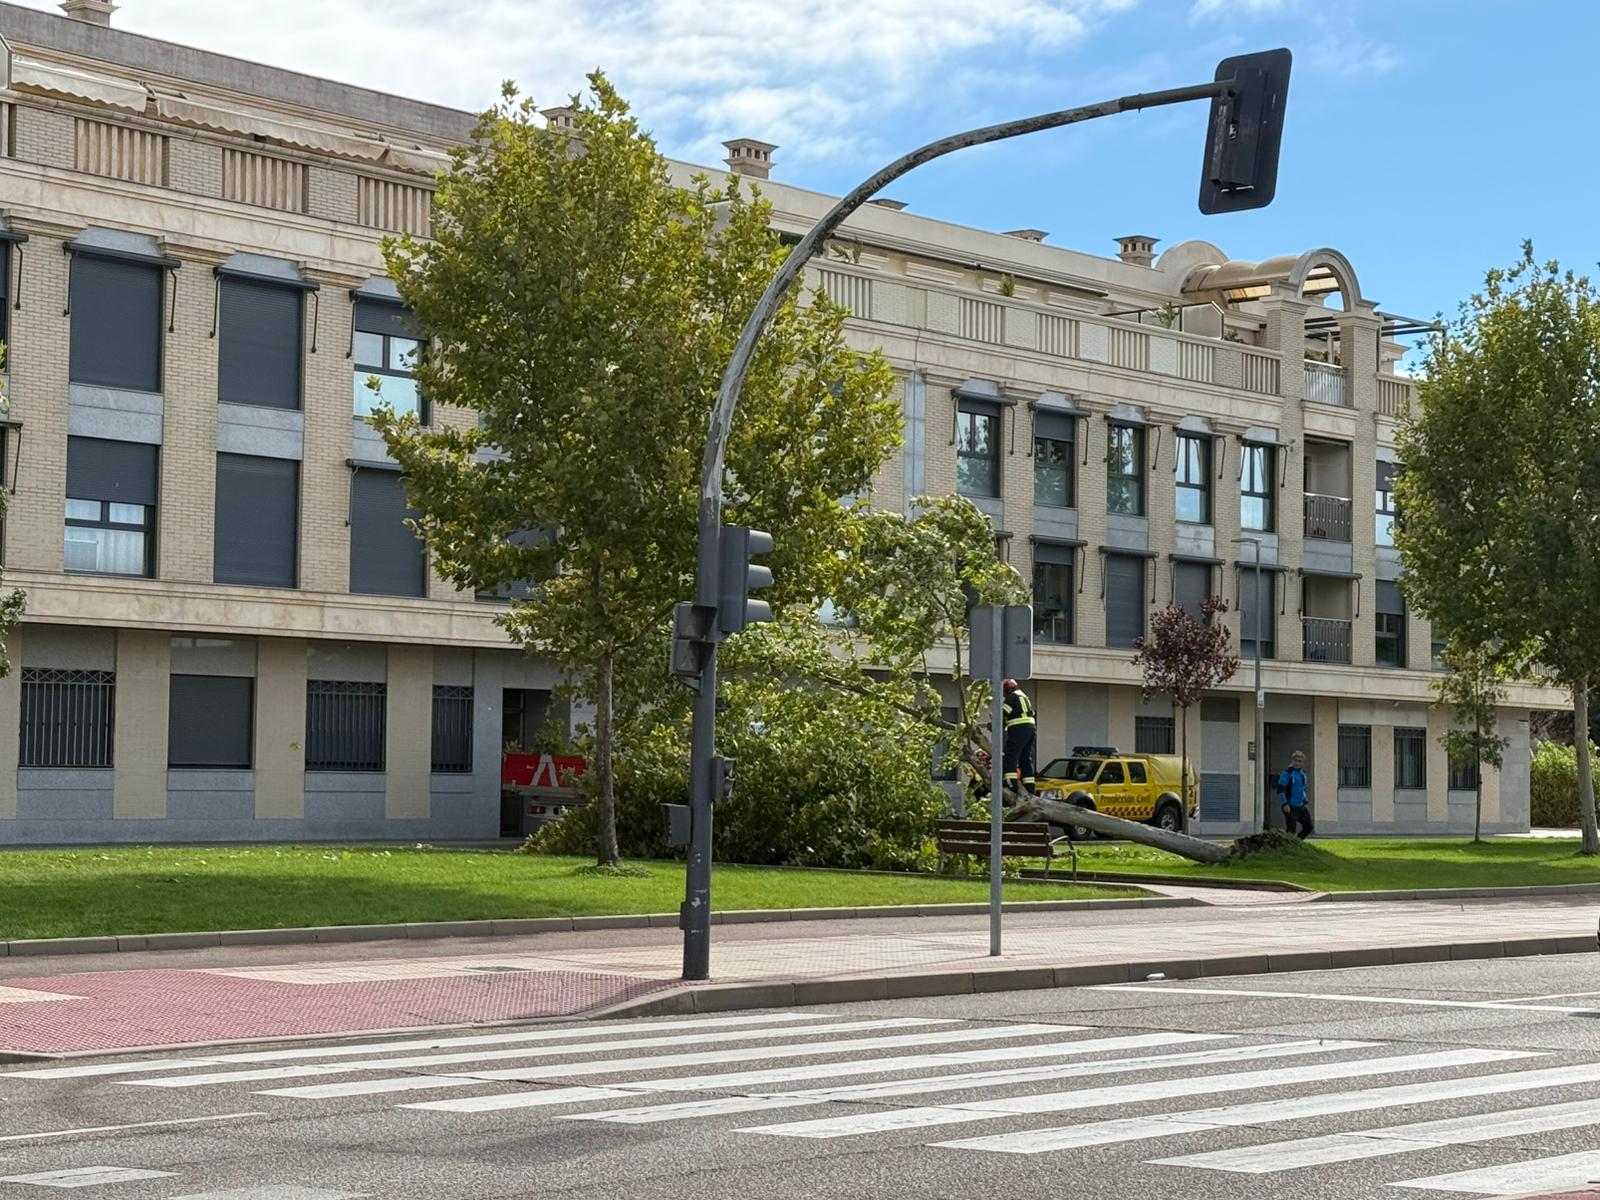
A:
(1405, 1000)
(1269, 1112)
(57, 1133)
(445, 1060)
(1135, 1093)
(575, 1032)
(77, 1177)
(277, 1191)
(1552, 996)
(501, 1101)
(1395, 1139)
(654, 1062)
(15, 995)
(927, 1085)
(1546, 1174)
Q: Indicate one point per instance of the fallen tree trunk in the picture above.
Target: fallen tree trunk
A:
(1059, 812)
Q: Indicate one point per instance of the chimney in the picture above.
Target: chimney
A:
(1028, 235)
(1137, 249)
(893, 205)
(749, 157)
(565, 117)
(95, 12)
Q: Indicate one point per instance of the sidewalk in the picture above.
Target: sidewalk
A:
(85, 1003)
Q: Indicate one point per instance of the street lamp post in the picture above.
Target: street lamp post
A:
(1258, 803)
(1240, 171)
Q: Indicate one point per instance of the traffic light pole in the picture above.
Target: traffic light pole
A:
(696, 913)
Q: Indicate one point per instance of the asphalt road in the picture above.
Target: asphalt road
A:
(1459, 1079)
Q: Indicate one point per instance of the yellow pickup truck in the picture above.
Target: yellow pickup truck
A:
(1135, 787)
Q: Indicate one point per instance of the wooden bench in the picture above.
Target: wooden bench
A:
(1018, 839)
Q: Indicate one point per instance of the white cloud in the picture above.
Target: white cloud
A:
(815, 76)
(1204, 8)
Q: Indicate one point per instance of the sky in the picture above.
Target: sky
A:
(1426, 139)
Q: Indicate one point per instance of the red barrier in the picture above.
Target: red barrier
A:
(540, 770)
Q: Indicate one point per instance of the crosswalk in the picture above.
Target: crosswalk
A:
(1203, 1102)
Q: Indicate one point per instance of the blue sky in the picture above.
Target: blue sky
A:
(1425, 138)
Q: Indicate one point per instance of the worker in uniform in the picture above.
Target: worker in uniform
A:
(1022, 735)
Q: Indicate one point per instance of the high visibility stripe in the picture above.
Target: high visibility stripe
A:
(1514, 1179)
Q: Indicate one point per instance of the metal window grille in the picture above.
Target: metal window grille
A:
(345, 725)
(1411, 758)
(452, 729)
(1355, 756)
(68, 717)
(1154, 735)
(1464, 774)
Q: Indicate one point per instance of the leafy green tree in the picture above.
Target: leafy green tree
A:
(1501, 483)
(1472, 689)
(581, 307)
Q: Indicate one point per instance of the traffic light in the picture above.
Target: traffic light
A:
(737, 577)
(1241, 164)
(692, 639)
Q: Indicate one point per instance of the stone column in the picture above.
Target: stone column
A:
(139, 780)
(1325, 760)
(10, 719)
(1285, 314)
(324, 473)
(1359, 334)
(280, 729)
(186, 508)
(409, 754)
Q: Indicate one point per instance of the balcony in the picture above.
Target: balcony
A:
(1328, 518)
(1395, 396)
(1326, 384)
(1326, 640)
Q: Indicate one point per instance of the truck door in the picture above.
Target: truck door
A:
(1112, 790)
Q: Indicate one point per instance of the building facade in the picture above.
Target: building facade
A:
(231, 634)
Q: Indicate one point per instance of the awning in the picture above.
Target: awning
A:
(226, 119)
(36, 75)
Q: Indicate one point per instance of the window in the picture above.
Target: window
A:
(1355, 756)
(1111, 773)
(1053, 465)
(345, 724)
(1136, 772)
(1411, 759)
(1052, 593)
(452, 729)
(211, 722)
(68, 717)
(259, 334)
(1253, 624)
(110, 508)
(1387, 472)
(256, 539)
(116, 323)
(1255, 488)
(386, 347)
(1154, 735)
(1125, 470)
(386, 558)
(1194, 479)
(1124, 580)
(978, 449)
(1191, 587)
(525, 589)
(1465, 774)
(1390, 621)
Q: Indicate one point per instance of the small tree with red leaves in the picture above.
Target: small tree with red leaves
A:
(1185, 657)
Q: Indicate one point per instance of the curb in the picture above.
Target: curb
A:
(725, 997)
(1242, 885)
(429, 930)
(1489, 893)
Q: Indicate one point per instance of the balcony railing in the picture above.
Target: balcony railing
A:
(1325, 384)
(1326, 640)
(1328, 518)
(1394, 395)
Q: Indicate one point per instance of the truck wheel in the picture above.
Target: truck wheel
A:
(1081, 800)
(1169, 816)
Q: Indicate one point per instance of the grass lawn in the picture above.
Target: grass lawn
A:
(73, 893)
(1360, 864)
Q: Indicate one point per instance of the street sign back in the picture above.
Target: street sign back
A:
(1016, 642)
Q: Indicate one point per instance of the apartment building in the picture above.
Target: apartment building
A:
(231, 634)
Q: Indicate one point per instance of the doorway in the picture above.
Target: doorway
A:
(1283, 739)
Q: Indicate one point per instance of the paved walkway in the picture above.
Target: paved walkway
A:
(87, 1003)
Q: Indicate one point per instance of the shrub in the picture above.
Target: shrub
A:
(1553, 785)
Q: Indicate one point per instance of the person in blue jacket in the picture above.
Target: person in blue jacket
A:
(1292, 795)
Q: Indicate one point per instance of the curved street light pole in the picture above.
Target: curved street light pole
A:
(696, 918)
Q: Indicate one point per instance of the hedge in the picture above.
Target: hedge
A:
(1553, 786)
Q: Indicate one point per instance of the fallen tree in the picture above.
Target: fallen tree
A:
(1060, 812)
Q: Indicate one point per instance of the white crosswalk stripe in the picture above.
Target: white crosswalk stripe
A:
(1519, 1178)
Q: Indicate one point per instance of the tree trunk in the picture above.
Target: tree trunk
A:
(1477, 820)
(1059, 812)
(606, 853)
(1183, 767)
(1580, 730)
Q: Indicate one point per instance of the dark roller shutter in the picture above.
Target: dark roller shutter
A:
(386, 558)
(116, 323)
(258, 358)
(211, 722)
(1191, 587)
(1124, 600)
(1058, 426)
(124, 472)
(1387, 473)
(394, 319)
(257, 536)
(1389, 598)
(1250, 621)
